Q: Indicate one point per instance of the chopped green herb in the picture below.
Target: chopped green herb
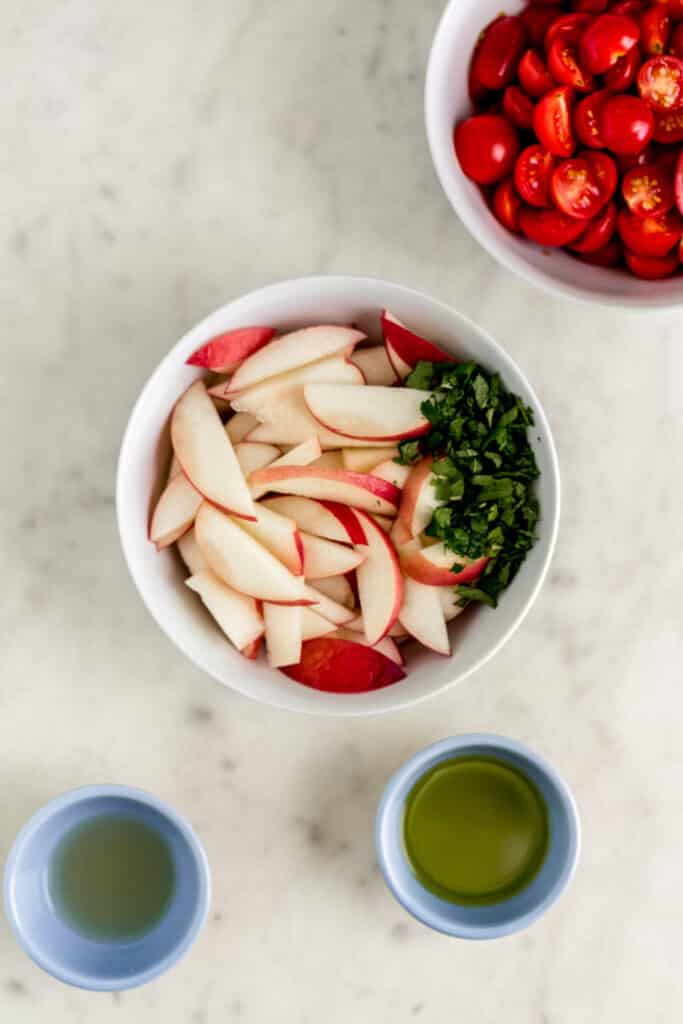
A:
(484, 468)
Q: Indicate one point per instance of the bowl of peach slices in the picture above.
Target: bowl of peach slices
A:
(338, 495)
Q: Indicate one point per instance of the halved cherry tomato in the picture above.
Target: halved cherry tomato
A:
(599, 232)
(626, 124)
(625, 161)
(590, 6)
(622, 75)
(518, 107)
(650, 236)
(676, 42)
(502, 44)
(563, 65)
(609, 256)
(533, 75)
(648, 190)
(487, 146)
(651, 268)
(604, 170)
(550, 228)
(506, 206)
(553, 121)
(678, 182)
(569, 27)
(537, 20)
(587, 119)
(533, 170)
(574, 189)
(669, 127)
(660, 83)
(655, 30)
(629, 8)
(605, 40)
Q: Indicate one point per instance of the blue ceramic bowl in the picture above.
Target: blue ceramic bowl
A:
(72, 957)
(510, 915)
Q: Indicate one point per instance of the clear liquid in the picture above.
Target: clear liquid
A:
(112, 878)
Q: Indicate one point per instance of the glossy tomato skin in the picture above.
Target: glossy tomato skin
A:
(550, 228)
(533, 170)
(678, 182)
(518, 108)
(604, 170)
(629, 8)
(655, 30)
(486, 146)
(506, 205)
(574, 189)
(626, 161)
(626, 124)
(675, 9)
(563, 65)
(537, 20)
(590, 6)
(676, 42)
(599, 233)
(648, 190)
(587, 119)
(569, 27)
(660, 83)
(605, 40)
(553, 121)
(652, 268)
(650, 236)
(610, 255)
(502, 44)
(668, 127)
(533, 74)
(622, 74)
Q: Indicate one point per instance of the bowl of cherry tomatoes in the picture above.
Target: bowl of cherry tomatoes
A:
(556, 130)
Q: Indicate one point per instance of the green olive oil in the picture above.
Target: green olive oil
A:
(112, 878)
(476, 830)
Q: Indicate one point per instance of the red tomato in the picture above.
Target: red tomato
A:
(533, 170)
(533, 75)
(622, 75)
(506, 206)
(625, 161)
(609, 256)
(675, 9)
(569, 27)
(486, 146)
(655, 30)
(676, 43)
(549, 227)
(553, 121)
(605, 171)
(669, 127)
(629, 8)
(537, 21)
(590, 6)
(605, 40)
(626, 124)
(660, 83)
(563, 65)
(650, 236)
(599, 232)
(648, 190)
(678, 182)
(518, 107)
(663, 156)
(575, 190)
(587, 119)
(651, 268)
(495, 60)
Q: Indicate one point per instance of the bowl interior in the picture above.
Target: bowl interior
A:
(446, 103)
(63, 951)
(510, 915)
(144, 459)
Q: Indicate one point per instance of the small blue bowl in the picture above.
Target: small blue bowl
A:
(516, 912)
(65, 953)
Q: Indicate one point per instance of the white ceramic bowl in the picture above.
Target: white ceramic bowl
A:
(446, 103)
(144, 458)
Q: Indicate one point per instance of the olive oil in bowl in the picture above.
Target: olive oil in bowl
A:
(112, 878)
(475, 830)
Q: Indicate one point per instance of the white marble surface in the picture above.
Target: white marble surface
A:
(156, 160)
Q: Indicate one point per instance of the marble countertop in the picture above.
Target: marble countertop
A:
(158, 160)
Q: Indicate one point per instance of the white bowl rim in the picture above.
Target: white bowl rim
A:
(501, 253)
(338, 710)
